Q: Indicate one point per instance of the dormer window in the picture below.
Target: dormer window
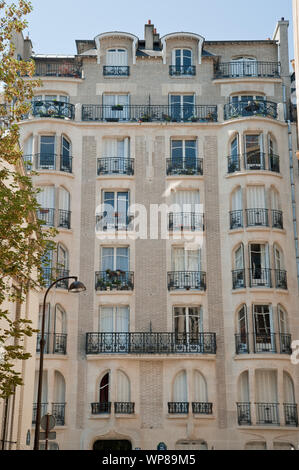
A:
(182, 62)
(116, 62)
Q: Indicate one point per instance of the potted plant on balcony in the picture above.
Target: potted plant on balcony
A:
(166, 117)
(145, 118)
(194, 119)
(117, 107)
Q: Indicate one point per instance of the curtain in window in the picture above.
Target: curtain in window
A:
(46, 197)
(256, 198)
(243, 389)
(28, 152)
(62, 257)
(113, 100)
(275, 199)
(266, 386)
(180, 393)
(64, 199)
(59, 388)
(44, 388)
(237, 200)
(200, 388)
(239, 258)
(122, 319)
(106, 320)
(185, 260)
(282, 321)
(288, 389)
(117, 57)
(60, 320)
(123, 387)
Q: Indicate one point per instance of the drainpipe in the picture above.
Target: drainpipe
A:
(292, 181)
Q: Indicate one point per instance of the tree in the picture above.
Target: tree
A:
(23, 240)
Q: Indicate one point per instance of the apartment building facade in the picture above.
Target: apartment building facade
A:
(184, 333)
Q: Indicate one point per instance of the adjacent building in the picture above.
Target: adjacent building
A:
(184, 333)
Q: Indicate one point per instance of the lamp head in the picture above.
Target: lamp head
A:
(76, 287)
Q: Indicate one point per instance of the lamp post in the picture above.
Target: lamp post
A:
(75, 287)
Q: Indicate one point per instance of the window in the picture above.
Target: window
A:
(60, 330)
(236, 216)
(46, 199)
(47, 154)
(115, 258)
(116, 57)
(184, 154)
(257, 213)
(182, 62)
(182, 107)
(116, 157)
(186, 260)
(234, 158)
(266, 397)
(186, 213)
(187, 323)
(58, 406)
(263, 325)
(243, 66)
(259, 265)
(242, 328)
(254, 156)
(238, 265)
(123, 393)
(243, 404)
(115, 215)
(64, 209)
(180, 389)
(186, 270)
(200, 388)
(114, 319)
(116, 107)
(104, 394)
(65, 158)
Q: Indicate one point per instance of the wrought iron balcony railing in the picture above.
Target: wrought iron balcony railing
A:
(253, 161)
(64, 220)
(290, 414)
(280, 279)
(238, 278)
(151, 343)
(261, 108)
(101, 408)
(115, 166)
(114, 280)
(185, 221)
(53, 109)
(267, 413)
(277, 219)
(46, 215)
(236, 219)
(57, 69)
(148, 113)
(116, 71)
(48, 161)
(279, 343)
(188, 166)
(55, 343)
(244, 413)
(257, 217)
(233, 163)
(126, 408)
(203, 408)
(44, 407)
(187, 280)
(58, 411)
(182, 70)
(178, 407)
(50, 274)
(260, 277)
(114, 222)
(239, 69)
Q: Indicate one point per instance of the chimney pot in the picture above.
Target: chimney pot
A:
(149, 22)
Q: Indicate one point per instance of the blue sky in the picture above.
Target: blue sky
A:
(54, 25)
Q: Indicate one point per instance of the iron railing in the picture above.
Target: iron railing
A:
(185, 221)
(267, 413)
(55, 343)
(64, 220)
(236, 219)
(101, 408)
(261, 108)
(239, 69)
(182, 70)
(272, 343)
(53, 109)
(260, 277)
(277, 219)
(203, 408)
(238, 278)
(114, 280)
(58, 411)
(151, 343)
(280, 279)
(178, 407)
(48, 161)
(50, 274)
(187, 166)
(115, 166)
(194, 280)
(257, 217)
(116, 71)
(242, 343)
(233, 163)
(57, 69)
(244, 413)
(290, 414)
(44, 407)
(254, 160)
(148, 113)
(126, 408)
(46, 215)
(264, 343)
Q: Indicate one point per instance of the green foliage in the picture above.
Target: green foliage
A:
(23, 240)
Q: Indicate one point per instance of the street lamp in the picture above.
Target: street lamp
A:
(76, 287)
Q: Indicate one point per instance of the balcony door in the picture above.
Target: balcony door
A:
(186, 214)
(243, 67)
(114, 324)
(182, 107)
(264, 338)
(104, 394)
(254, 156)
(47, 155)
(182, 61)
(186, 260)
(234, 162)
(116, 57)
(46, 199)
(187, 327)
(64, 208)
(237, 209)
(111, 103)
(180, 388)
(183, 154)
(266, 397)
(239, 272)
(115, 259)
(256, 204)
(116, 209)
(65, 159)
(116, 154)
(259, 265)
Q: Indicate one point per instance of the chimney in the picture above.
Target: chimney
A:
(149, 35)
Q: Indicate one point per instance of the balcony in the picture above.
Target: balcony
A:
(53, 109)
(253, 161)
(58, 411)
(267, 414)
(244, 69)
(115, 166)
(44, 407)
(188, 166)
(151, 343)
(116, 71)
(233, 163)
(101, 408)
(114, 222)
(277, 219)
(57, 69)
(48, 217)
(55, 343)
(202, 408)
(48, 161)
(126, 408)
(178, 407)
(259, 108)
(244, 414)
(64, 218)
(257, 217)
(186, 280)
(114, 280)
(260, 277)
(182, 70)
(185, 221)
(238, 278)
(275, 343)
(149, 113)
(50, 274)
(290, 414)
(235, 219)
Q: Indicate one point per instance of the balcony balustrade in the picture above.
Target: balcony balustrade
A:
(260, 108)
(115, 166)
(47, 216)
(53, 109)
(253, 161)
(236, 219)
(116, 71)
(185, 221)
(238, 278)
(202, 408)
(126, 408)
(290, 414)
(101, 408)
(177, 70)
(277, 219)
(64, 220)
(186, 280)
(244, 413)
(260, 277)
(280, 279)
(275, 343)
(242, 69)
(149, 113)
(188, 166)
(57, 69)
(114, 222)
(267, 414)
(151, 343)
(178, 407)
(48, 161)
(55, 343)
(114, 280)
(50, 274)
(257, 217)
(58, 411)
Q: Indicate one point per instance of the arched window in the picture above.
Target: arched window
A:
(58, 406)
(65, 157)
(272, 154)
(104, 394)
(180, 393)
(290, 406)
(28, 153)
(60, 331)
(280, 273)
(201, 403)
(44, 397)
(242, 339)
(284, 331)
(276, 212)
(62, 265)
(254, 152)
(243, 404)
(64, 219)
(46, 199)
(234, 157)
(266, 396)
(123, 387)
(238, 272)
(236, 215)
